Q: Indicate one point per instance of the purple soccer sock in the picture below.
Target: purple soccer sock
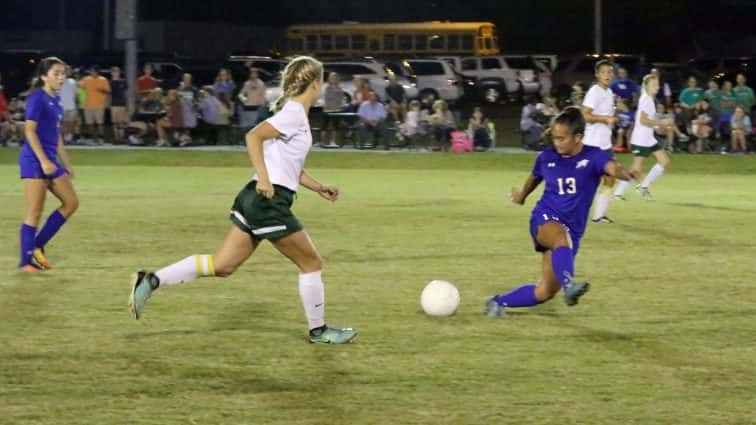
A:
(563, 263)
(524, 296)
(27, 243)
(54, 222)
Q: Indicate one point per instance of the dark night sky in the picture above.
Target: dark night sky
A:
(656, 27)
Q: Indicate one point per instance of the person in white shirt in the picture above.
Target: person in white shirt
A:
(598, 111)
(643, 143)
(68, 102)
(277, 148)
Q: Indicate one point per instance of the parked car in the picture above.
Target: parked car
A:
(377, 73)
(533, 69)
(271, 66)
(436, 80)
(273, 91)
(495, 78)
(581, 68)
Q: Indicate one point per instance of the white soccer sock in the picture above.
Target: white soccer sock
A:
(312, 293)
(622, 187)
(187, 270)
(656, 172)
(602, 204)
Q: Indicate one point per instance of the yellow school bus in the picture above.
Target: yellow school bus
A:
(354, 39)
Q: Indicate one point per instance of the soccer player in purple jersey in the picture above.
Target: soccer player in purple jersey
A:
(572, 172)
(40, 169)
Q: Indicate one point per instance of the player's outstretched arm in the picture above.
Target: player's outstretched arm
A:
(330, 193)
(519, 196)
(615, 169)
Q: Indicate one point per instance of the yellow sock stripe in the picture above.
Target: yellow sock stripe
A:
(210, 265)
(198, 258)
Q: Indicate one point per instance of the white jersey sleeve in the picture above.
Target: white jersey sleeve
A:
(592, 98)
(287, 121)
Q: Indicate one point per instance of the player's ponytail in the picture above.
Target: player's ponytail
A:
(296, 77)
(43, 68)
(572, 118)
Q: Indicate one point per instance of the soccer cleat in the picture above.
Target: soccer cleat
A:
(144, 284)
(328, 335)
(603, 219)
(30, 268)
(39, 257)
(494, 309)
(573, 292)
(644, 193)
(620, 198)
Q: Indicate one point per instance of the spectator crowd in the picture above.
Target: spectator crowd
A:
(95, 112)
(711, 118)
(714, 118)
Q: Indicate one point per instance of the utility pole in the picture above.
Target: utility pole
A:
(106, 25)
(126, 28)
(597, 28)
(61, 15)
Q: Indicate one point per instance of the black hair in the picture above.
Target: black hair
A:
(602, 62)
(45, 65)
(572, 118)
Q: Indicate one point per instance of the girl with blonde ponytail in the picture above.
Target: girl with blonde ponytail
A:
(277, 148)
(643, 143)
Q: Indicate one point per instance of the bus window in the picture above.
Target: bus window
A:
(296, 44)
(326, 43)
(312, 43)
(421, 42)
(341, 42)
(375, 45)
(489, 43)
(452, 42)
(359, 41)
(389, 42)
(405, 42)
(437, 42)
(468, 42)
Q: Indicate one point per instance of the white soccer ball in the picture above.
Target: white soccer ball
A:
(439, 298)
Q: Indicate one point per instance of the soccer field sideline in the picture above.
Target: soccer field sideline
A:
(664, 336)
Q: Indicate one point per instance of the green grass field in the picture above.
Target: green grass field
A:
(666, 336)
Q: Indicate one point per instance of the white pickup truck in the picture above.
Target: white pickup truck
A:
(503, 76)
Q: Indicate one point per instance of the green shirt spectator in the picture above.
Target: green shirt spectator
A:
(691, 96)
(727, 99)
(714, 95)
(743, 94)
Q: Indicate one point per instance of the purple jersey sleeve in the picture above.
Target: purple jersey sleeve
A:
(600, 160)
(537, 172)
(35, 107)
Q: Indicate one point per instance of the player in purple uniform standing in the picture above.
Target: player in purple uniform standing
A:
(40, 169)
(572, 172)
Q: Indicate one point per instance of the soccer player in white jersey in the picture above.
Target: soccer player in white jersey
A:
(598, 111)
(277, 149)
(643, 143)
